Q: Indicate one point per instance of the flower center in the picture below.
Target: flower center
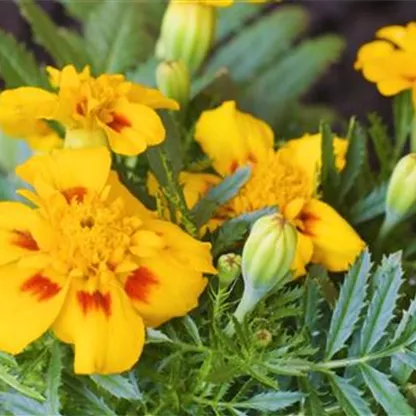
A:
(274, 181)
(94, 235)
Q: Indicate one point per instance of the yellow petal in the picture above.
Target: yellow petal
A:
(162, 290)
(68, 170)
(29, 303)
(372, 51)
(106, 331)
(393, 85)
(335, 243)
(196, 185)
(402, 36)
(232, 138)
(151, 97)
(303, 256)
(134, 127)
(306, 152)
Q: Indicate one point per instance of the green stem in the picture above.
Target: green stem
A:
(413, 136)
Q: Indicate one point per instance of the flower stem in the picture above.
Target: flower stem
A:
(413, 136)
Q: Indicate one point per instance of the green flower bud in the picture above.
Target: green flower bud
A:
(187, 33)
(401, 192)
(263, 337)
(174, 81)
(229, 268)
(268, 255)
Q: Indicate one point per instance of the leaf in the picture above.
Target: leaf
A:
(20, 405)
(234, 230)
(81, 10)
(349, 397)
(370, 206)
(280, 28)
(117, 385)
(313, 405)
(156, 336)
(272, 401)
(13, 382)
(116, 36)
(408, 357)
(349, 305)
(330, 178)
(53, 381)
(145, 73)
(17, 65)
(356, 154)
(60, 43)
(407, 318)
(387, 282)
(192, 329)
(290, 78)
(403, 117)
(385, 392)
(205, 208)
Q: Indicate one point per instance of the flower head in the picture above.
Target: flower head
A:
(282, 178)
(91, 262)
(391, 61)
(94, 111)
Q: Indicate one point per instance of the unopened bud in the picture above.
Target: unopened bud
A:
(268, 255)
(263, 337)
(229, 268)
(187, 32)
(401, 192)
(174, 81)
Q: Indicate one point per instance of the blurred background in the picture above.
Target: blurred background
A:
(341, 88)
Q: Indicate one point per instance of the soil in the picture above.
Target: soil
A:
(341, 88)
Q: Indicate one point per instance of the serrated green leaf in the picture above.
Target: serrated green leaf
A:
(7, 360)
(20, 405)
(117, 385)
(156, 336)
(205, 208)
(53, 381)
(349, 305)
(330, 178)
(408, 357)
(17, 65)
(349, 397)
(403, 117)
(234, 230)
(230, 19)
(116, 36)
(370, 206)
(385, 392)
(311, 306)
(407, 317)
(291, 77)
(192, 329)
(280, 28)
(61, 44)
(80, 9)
(313, 405)
(269, 402)
(14, 382)
(356, 154)
(388, 279)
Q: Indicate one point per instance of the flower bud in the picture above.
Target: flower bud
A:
(401, 192)
(268, 255)
(263, 337)
(187, 33)
(229, 268)
(174, 81)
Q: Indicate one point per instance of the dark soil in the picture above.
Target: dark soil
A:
(342, 88)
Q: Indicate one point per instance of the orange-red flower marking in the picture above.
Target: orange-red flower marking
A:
(94, 301)
(77, 193)
(119, 122)
(25, 240)
(138, 284)
(41, 287)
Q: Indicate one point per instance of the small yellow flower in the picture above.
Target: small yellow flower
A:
(94, 111)
(91, 263)
(391, 61)
(283, 178)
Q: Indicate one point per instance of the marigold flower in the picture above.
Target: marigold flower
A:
(283, 178)
(91, 262)
(94, 111)
(391, 61)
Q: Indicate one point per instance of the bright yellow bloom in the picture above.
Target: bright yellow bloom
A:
(391, 61)
(94, 111)
(286, 178)
(91, 262)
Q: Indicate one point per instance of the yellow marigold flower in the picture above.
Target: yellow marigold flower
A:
(391, 61)
(94, 111)
(91, 263)
(283, 178)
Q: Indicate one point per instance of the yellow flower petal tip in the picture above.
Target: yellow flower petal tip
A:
(390, 62)
(121, 112)
(92, 263)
